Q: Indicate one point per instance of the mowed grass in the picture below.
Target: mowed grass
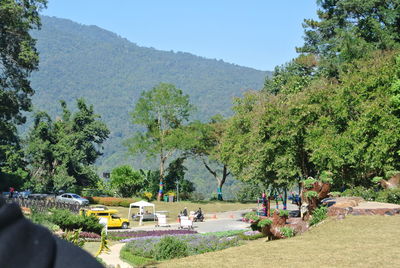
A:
(92, 247)
(357, 241)
(174, 208)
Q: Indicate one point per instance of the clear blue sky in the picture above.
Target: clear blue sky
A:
(254, 33)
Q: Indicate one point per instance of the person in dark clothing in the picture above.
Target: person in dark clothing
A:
(24, 244)
(11, 192)
(185, 212)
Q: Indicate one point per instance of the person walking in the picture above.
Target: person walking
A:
(11, 192)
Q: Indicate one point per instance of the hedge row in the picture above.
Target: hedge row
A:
(112, 201)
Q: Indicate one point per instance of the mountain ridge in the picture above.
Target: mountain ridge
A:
(110, 72)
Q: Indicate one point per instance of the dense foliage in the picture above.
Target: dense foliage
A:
(69, 221)
(335, 108)
(369, 194)
(161, 111)
(60, 153)
(66, 220)
(126, 181)
(348, 29)
(319, 215)
(202, 141)
(18, 58)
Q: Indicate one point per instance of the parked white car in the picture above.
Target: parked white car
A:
(72, 199)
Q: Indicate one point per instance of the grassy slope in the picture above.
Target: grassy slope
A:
(358, 241)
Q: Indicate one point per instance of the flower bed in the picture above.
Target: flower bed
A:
(89, 236)
(251, 235)
(125, 236)
(111, 201)
(146, 247)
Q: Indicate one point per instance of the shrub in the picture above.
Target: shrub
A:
(376, 179)
(335, 194)
(264, 222)
(326, 177)
(309, 183)
(69, 221)
(251, 217)
(170, 247)
(148, 196)
(367, 194)
(389, 196)
(283, 213)
(391, 173)
(287, 231)
(171, 193)
(195, 196)
(74, 238)
(311, 194)
(319, 214)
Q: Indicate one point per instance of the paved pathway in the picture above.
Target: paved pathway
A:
(112, 258)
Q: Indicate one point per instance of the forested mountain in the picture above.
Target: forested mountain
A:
(110, 72)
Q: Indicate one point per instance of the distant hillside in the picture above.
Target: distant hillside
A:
(110, 72)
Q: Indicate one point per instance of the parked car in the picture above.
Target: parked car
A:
(113, 220)
(72, 199)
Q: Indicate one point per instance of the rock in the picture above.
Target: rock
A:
(340, 217)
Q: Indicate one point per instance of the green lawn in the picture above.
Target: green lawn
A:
(91, 247)
(175, 207)
(357, 241)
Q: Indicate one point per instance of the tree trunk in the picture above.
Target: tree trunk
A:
(221, 182)
(160, 191)
(219, 190)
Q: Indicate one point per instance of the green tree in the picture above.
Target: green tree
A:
(126, 181)
(203, 141)
(348, 29)
(160, 111)
(18, 58)
(176, 178)
(60, 153)
(292, 77)
(348, 128)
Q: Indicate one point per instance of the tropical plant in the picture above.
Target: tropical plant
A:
(287, 231)
(103, 247)
(264, 222)
(74, 237)
(319, 214)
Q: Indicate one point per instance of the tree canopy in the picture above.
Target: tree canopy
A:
(160, 111)
(60, 153)
(18, 58)
(348, 29)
